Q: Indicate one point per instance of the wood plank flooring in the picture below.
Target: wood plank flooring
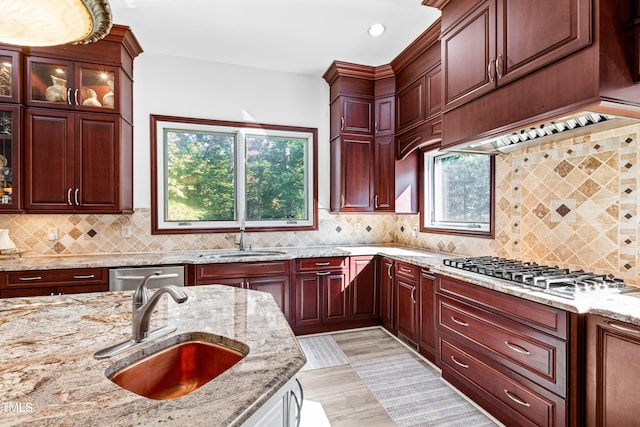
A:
(345, 398)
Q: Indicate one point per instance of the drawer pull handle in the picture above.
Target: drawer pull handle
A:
(517, 348)
(319, 264)
(323, 273)
(622, 328)
(516, 399)
(28, 279)
(459, 322)
(463, 365)
(88, 276)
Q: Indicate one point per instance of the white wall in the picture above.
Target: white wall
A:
(191, 88)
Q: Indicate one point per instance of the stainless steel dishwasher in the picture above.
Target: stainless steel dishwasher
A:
(128, 278)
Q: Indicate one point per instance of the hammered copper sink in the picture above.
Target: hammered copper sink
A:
(178, 369)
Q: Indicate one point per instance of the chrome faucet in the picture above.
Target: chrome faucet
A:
(241, 242)
(143, 305)
(142, 308)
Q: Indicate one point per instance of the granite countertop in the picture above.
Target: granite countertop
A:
(620, 307)
(50, 378)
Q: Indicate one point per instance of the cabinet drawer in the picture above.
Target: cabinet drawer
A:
(527, 351)
(511, 402)
(539, 316)
(314, 264)
(70, 277)
(408, 271)
(240, 269)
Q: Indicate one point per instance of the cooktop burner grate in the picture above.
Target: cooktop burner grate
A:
(552, 280)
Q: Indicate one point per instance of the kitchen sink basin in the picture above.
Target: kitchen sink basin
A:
(177, 369)
(241, 254)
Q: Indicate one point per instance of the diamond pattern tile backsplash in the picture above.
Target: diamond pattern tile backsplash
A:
(571, 203)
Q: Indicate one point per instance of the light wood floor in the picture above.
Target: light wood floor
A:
(346, 400)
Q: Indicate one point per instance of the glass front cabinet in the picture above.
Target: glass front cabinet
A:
(9, 76)
(9, 157)
(73, 85)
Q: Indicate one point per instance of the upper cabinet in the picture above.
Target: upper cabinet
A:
(494, 42)
(74, 120)
(418, 93)
(64, 84)
(511, 64)
(10, 66)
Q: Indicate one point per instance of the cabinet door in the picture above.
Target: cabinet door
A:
(406, 307)
(357, 116)
(278, 286)
(534, 33)
(411, 105)
(49, 83)
(49, 160)
(97, 154)
(98, 88)
(427, 315)
(10, 72)
(363, 289)
(613, 369)
(308, 294)
(357, 157)
(468, 56)
(384, 116)
(384, 173)
(336, 300)
(386, 293)
(10, 125)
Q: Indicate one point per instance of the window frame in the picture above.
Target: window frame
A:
(158, 226)
(426, 196)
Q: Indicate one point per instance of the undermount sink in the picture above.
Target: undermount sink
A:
(241, 254)
(175, 369)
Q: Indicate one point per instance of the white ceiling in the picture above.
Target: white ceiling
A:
(297, 36)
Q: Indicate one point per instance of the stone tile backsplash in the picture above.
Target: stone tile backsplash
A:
(571, 203)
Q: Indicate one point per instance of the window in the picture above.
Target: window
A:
(458, 193)
(211, 176)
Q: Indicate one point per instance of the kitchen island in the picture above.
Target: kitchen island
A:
(49, 375)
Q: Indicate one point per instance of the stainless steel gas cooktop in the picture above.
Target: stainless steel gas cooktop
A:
(552, 280)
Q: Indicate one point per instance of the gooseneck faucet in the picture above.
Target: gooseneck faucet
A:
(142, 308)
(143, 305)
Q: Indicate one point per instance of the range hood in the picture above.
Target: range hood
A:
(561, 128)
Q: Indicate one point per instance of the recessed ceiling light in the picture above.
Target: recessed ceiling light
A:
(376, 29)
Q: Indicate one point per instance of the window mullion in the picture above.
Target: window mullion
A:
(241, 177)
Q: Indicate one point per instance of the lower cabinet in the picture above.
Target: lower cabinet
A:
(406, 299)
(269, 276)
(426, 315)
(509, 355)
(335, 293)
(283, 409)
(321, 294)
(613, 370)
(385, 281)
(31, 283)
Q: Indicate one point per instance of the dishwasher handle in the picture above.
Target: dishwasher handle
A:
(156, 276)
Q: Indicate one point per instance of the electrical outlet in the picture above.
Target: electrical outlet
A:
(414, 232)
(126, 231)
(356, 227)
(52, 233)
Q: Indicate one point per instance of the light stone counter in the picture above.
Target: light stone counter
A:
(622, 307)
(49, 376)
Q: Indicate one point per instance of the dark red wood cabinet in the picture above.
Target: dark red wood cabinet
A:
(427, 315)
(494, 42)
(613, 369)
(32, 283)
(78, 125)
(385, 278)
(363, 289)
(270, 276)
(512, 356)
(406, 299)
